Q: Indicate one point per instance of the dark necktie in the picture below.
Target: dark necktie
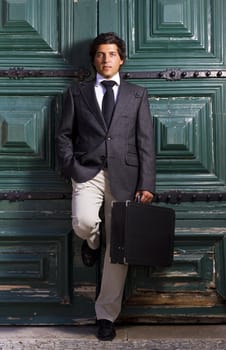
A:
(108, 100)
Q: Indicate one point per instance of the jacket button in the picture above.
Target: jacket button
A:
(108, 138)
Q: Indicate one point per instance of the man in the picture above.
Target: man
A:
(107, 161)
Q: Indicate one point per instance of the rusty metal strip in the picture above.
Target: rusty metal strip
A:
(21, 73)
(14, 196)
(176, 74)
(81, 74)
(172, 197)
(177, 197)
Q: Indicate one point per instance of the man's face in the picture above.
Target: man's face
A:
(107, 60)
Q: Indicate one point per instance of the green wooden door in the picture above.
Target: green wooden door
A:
(176, 48)
(44, 46)
(42, 279)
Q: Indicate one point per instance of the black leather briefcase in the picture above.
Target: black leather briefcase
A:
(142, 234)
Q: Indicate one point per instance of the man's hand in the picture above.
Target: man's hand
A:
(144, 196)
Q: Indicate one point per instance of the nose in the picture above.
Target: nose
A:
(106, 58)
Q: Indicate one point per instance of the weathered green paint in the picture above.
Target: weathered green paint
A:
(42, 279)
(220, 266)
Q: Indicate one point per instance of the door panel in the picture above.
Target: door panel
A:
(188, 127)
(175, 33)
(33, 263)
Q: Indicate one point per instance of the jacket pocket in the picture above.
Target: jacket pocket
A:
(132, 159)
(132, 156)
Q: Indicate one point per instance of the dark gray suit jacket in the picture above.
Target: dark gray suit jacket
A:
(84, 144)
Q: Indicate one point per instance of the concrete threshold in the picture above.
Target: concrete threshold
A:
(148, 337)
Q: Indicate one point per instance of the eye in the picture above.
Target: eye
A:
(99, 54)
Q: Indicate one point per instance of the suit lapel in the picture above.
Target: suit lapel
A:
(124, 99)
(88, 94)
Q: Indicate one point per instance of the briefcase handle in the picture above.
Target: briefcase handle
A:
(137, 199)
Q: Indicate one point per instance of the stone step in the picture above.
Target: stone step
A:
(148, 337)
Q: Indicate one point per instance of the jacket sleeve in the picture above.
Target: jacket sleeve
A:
(145, 146)
(66, 132)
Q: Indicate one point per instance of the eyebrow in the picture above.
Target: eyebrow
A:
(112, 51)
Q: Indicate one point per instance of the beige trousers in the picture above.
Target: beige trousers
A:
(87, 199)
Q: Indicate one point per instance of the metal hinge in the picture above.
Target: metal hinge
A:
(170, 74)
(171, 197)
(17, 73)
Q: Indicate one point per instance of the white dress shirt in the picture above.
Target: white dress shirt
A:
(100, 89)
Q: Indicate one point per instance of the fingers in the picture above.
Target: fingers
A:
(145, 196)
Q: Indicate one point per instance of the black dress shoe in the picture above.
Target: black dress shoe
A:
(89, 256)
(106, 330)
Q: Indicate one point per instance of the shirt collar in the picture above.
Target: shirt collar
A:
(100, 78)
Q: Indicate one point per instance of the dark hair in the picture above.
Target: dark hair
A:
(108, 38)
